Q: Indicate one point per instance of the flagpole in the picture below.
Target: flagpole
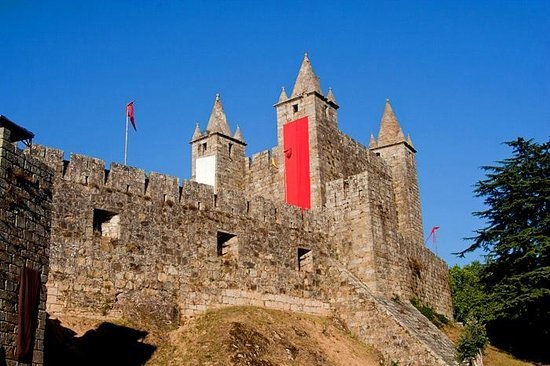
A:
(126, 142)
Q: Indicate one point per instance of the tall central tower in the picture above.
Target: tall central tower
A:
(306, 126)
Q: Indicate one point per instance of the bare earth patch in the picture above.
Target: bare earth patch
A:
(247, 336)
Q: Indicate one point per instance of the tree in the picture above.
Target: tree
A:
(470, 299)
(517, 240)
(472, 341)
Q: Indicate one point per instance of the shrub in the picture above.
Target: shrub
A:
(439, 320)
(472, 340)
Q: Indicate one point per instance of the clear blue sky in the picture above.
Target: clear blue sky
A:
(463, 77)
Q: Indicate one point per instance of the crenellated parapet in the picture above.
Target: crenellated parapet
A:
(90, 172)
(351, 246)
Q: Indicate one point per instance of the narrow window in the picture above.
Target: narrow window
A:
(106, 223)
(227, 244)
(295, 108)
(215, 200)
(204, 147)
(230, 148)
(305, 260)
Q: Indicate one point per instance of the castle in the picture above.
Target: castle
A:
(319, 224)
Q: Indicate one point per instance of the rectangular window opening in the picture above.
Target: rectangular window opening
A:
(305, 260)
(295, 108)
(230, 148)
(227, 244)
(106, 223)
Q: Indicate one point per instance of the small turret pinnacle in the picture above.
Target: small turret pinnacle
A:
(283, 95)
(330, 96)
(372, 142)
(409, 141)
(197, 133)
(218, 121)
(306, 81)
(390, 131)
(238, 134)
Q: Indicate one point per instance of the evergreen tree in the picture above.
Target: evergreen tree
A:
(517, 241)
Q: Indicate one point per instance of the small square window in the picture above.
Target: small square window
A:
(305, 260)
(295, 108)
(227, 244)
(106, 223)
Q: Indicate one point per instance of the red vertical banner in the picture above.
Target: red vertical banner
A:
(296, 150)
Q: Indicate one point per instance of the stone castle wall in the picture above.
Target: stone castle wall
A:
(164, 259)
(265, 175)
(25, 207)
(167, 242)
(365, 237)
(357, 225)
(401, 160)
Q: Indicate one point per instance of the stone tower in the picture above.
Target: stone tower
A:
(308, 116)
(399, 154)
(217, 155)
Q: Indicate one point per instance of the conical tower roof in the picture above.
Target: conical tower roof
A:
(197, 133)
(306, 81)
(390, 131)
(409, 141)
(372, 142)
(330, 96)
(283, 95)
(238, 134)
(218, 121)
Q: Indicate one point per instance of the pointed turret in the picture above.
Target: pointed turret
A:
(390, 131)
(238, 134)
(372, 142)
(197, 133)
(330, 96)
(409, 141)
(218, 121)
(306, 81)
(283, 95)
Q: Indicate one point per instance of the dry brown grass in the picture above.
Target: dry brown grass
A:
(249, 336)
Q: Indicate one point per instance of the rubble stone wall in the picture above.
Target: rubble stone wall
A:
(25, 207)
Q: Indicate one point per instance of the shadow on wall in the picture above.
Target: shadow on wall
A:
(2, 356)
(108, 344)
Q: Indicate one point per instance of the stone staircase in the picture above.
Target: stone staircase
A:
(395, 327)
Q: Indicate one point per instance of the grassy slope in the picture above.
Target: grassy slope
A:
(249, 336)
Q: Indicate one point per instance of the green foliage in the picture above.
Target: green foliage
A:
(438, 319)
(516, 276)
(472, 340)
(470, 299)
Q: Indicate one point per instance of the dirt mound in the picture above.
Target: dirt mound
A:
(236, 336)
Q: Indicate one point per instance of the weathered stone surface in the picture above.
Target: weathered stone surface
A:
(123, 241)
(25, 213)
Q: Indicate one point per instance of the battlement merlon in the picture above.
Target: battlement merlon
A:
(90, 172)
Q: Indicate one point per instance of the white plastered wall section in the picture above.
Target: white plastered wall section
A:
(206, 170)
